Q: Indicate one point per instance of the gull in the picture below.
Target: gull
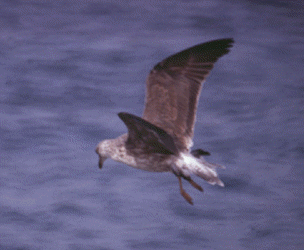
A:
(161, 140)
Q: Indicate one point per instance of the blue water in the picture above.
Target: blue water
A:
(68, 67)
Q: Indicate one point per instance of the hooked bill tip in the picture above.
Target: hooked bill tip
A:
(100, 162)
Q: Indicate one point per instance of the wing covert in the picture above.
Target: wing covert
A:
(146, 137)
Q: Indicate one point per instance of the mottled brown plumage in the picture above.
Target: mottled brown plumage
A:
(161, 140)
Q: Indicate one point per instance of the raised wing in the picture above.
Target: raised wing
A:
(173, 88)
(145, 137)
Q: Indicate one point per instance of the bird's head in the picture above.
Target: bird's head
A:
(103, 150)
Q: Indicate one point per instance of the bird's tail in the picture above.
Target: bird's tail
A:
(199, 166)
(207, 171)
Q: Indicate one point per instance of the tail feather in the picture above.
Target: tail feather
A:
(188, 164)
(208, 173)
(211, 179)
(211, 165)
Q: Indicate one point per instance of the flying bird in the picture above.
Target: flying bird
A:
(161, 140)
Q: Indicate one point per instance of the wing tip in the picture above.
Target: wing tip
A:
(225, 44)
(214, 48)
(124, 116)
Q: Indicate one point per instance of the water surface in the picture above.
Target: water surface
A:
(67, 69)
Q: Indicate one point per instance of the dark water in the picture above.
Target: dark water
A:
(68, 67)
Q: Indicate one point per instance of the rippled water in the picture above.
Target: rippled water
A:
(67, 69)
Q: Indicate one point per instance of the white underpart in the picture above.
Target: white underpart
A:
(188, 164)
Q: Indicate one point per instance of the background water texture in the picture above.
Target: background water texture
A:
(68, 67)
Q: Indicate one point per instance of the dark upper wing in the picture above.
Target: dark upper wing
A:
(174, 85)
(145, 137)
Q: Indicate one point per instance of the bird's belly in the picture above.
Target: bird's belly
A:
(155, 163)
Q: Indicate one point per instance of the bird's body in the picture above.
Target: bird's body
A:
(116, 150)
(161, 140)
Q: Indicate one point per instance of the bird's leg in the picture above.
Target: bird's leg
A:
(183, 192)
(194, 184)
(180, 175)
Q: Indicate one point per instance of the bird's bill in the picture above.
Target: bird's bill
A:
(101, 161)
